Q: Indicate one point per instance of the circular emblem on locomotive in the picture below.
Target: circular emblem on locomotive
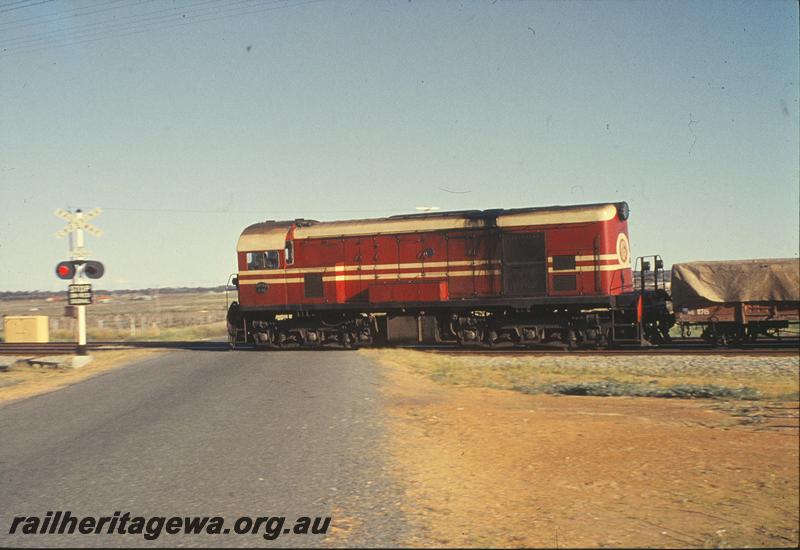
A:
(261, 288)
(623, 249)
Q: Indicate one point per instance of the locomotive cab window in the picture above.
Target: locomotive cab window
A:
(263, 260)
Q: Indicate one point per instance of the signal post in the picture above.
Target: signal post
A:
(80, 293)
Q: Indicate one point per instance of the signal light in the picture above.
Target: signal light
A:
(65, 270)
(93, 269)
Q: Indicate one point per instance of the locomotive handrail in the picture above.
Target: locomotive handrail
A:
(643, 267)
(233, 281)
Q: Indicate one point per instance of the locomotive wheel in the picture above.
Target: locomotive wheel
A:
(262, 345)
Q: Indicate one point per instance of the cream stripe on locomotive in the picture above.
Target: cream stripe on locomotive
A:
(587, 263)
(412, 265)
(589, 258)
(279, 276)
(585, 268)
(340, 276)
(426, 275)
(377, 276)
(369, 267)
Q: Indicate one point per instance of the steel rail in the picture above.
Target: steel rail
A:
(786, 348)
(642, 352)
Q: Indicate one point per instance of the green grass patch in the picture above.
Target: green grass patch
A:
(613, 388)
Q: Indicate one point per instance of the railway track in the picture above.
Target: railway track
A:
(651, 352)
(785, 348)
(50, 348)
(61, 348)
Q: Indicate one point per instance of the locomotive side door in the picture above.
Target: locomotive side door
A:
(486, 255)
(524, 264)
(358, 256)
(460, 258)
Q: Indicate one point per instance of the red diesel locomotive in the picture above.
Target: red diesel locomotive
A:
(557, 275)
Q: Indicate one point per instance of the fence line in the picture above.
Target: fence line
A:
(135, 323)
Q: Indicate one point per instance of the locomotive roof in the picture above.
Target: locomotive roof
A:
(463, 219)
(271, 235)
(493, 212)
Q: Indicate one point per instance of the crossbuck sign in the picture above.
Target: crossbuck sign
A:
(79, 220)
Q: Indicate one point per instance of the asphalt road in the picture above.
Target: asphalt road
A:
(207, 433)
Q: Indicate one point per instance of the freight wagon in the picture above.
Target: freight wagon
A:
(730, 302)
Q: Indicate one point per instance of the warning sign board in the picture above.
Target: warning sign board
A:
(80, 295)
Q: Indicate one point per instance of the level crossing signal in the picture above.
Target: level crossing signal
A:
(68, 268)
(80, 294)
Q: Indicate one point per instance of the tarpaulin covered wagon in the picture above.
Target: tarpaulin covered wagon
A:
(737, 300)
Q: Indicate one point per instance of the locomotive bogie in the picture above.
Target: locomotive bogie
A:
(309, 331)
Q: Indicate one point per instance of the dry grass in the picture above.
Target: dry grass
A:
(178, 316)
(729, 377)
(163, 303)
(20, 382)
(149, 334)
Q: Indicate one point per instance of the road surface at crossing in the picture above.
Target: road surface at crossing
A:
(207, 433)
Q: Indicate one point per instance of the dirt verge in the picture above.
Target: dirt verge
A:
(489, 467)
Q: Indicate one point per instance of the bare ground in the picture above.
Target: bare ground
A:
(499, 468)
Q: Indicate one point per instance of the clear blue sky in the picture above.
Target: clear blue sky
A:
(188, 120)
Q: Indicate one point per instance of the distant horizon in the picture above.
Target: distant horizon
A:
(96, 289)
